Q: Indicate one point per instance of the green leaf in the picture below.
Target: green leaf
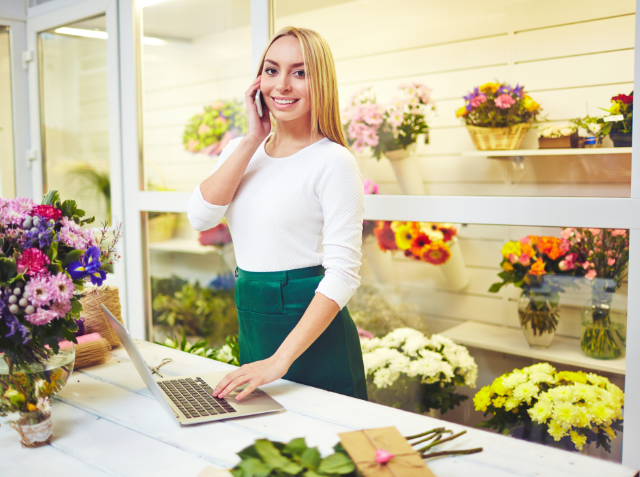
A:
(237, 472)
(310, 458)
(8, 269)
(253, 467)
(76, 306)
(337, 463)
(295, 447)
(495, 288)
(51, 197)
(270, 454)
(72, 256)
(249, 452)
(311, 473)
(52, 253)
(68, 208)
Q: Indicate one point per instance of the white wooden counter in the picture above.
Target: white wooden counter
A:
(107, 423)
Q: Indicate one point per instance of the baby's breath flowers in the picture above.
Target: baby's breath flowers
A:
(437, 361)
(573, 407)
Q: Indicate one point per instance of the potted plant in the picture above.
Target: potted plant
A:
(537, 403)
(391, 130)
(498, 115)
(590, 131)
(210, 131)
(551, 136)
(407, 370)
(620, 123)
(539, 265)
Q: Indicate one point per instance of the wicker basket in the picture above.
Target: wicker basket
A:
(162, 227)
(95, 321)
(491, 139)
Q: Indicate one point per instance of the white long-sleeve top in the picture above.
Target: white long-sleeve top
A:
(294, 212)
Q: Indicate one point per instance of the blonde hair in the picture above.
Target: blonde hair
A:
(320, 72)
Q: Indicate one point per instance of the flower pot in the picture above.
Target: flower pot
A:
(590, 141)
(621, 139)
(454, 269)
(407, 169)
(381, 263)
(161, 228)
(538, 317)
(491, 139)
(558, 142)
(35, 428)
(604, 323)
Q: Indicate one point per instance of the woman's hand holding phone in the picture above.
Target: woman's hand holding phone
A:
(257, 127)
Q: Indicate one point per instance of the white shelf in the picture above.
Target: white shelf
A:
(506, 340)
(185, 245)
(551, 152)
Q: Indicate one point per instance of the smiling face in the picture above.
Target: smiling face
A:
(284, 85)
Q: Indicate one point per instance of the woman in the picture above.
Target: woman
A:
(294, 203)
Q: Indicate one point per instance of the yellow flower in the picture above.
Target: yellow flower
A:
(507, 267)
(561, 393)
(529, 104)
(511, 403)
(405, 235)
(526, 391)
(31, 407)
(541, 411)
(572, 377)
(497, 387)
(565, 414)
(578, 440)
(610, 432)
(556, 430)
(482, 399)
(511, 248)
(499, 401)
(489, 88)
(615, 108)
(462, 111)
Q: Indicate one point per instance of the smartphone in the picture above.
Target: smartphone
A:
(259, 102)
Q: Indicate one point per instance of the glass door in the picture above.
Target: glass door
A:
(75, 111)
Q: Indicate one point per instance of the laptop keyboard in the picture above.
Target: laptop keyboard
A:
(194, 398)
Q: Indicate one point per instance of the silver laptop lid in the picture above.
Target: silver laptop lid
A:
(137, 360)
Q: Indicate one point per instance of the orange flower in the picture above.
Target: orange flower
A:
(545, 244)
(528, 249)
(437, 253)
(537, 268)
(419, 243)
(533, 239)
(555, 253)
(385, 236)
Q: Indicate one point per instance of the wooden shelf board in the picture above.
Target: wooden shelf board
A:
(551, 152)
(507, 340)
(184, 245)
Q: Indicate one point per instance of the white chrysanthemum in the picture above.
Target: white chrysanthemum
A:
(385, 377)
(537, 378)
(541, 411)
(379, 358)
(525, 391)
(540, 368)
(369, 344)
(414, 344)
(514, 379)
(561, 393)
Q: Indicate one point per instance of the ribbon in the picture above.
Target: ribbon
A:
(383, 457)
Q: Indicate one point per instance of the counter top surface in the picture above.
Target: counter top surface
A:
(106, 422)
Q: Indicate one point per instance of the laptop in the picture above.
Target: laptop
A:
(189, 399)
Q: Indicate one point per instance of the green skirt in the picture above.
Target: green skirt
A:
(270, 304)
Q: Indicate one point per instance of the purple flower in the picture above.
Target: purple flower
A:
(61, 308)
(38, 291)
(73, 235)
(89, 265)
(518, 90)
(61, 288)
(16, 328)
(81, 328)
(41, 317)
(40, 236)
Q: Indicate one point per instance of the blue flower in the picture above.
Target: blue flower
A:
(223, 282)
(89, 265)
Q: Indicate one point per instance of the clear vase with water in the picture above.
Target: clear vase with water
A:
(604, 322)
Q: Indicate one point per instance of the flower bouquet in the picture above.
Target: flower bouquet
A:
(28, 396)
(601, 258)
(498, 115)
(391, 129)
(431, 242)
(210, 131)
(619, 125)
(574, 408)
(590, 131)
(393, 362)
(558, 136)
(538, 265)
(217, 236)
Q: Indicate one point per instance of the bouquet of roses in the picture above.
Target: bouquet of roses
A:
(422, 241)
(390, 127)
(45, 258)
(218, 235)
(210, 131)
(581, 407)
(498, 105)
(538, 265)
(622, 110)
(405, 353)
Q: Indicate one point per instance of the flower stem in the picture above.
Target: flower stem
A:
(437, 429)
(458, 452)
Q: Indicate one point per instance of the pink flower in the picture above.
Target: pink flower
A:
(41, 317)
(504, 101)
(619, 232)
(204, 128)
(565, 265)
(383, 456)
(364, 333)
(478, 100)
(591, 274)
(524, 240)
(38, 291)
(595, 232)
(611, 262)
(23, 204)
(370, 187)
(12, 215)
(61, 287)
(587, 264)
(513, 258)
(566, 233)
(61, 308)
(565, 245)
(525, 259)
(33, 262)
(91, 238)
(73, 235)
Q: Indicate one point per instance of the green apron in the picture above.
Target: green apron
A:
(270, 304)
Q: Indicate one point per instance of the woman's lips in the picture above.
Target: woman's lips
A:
(283, 106)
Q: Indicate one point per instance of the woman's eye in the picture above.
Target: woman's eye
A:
(267, 70)
(301, 71)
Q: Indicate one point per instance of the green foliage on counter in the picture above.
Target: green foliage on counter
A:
(194, 309)
(267, 458)
(229, 353)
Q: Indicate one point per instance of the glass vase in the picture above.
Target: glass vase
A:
(59, 366)
(539, 315)
(604, 322)
(35, 428)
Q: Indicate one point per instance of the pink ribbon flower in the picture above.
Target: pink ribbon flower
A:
(383, 456)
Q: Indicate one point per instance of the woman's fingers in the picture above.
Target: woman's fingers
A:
(226, 380)
(252, 386)
(239, 381)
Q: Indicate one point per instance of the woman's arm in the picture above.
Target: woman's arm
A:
(318, 316)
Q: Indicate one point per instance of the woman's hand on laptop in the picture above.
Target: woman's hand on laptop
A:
(256, 374)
